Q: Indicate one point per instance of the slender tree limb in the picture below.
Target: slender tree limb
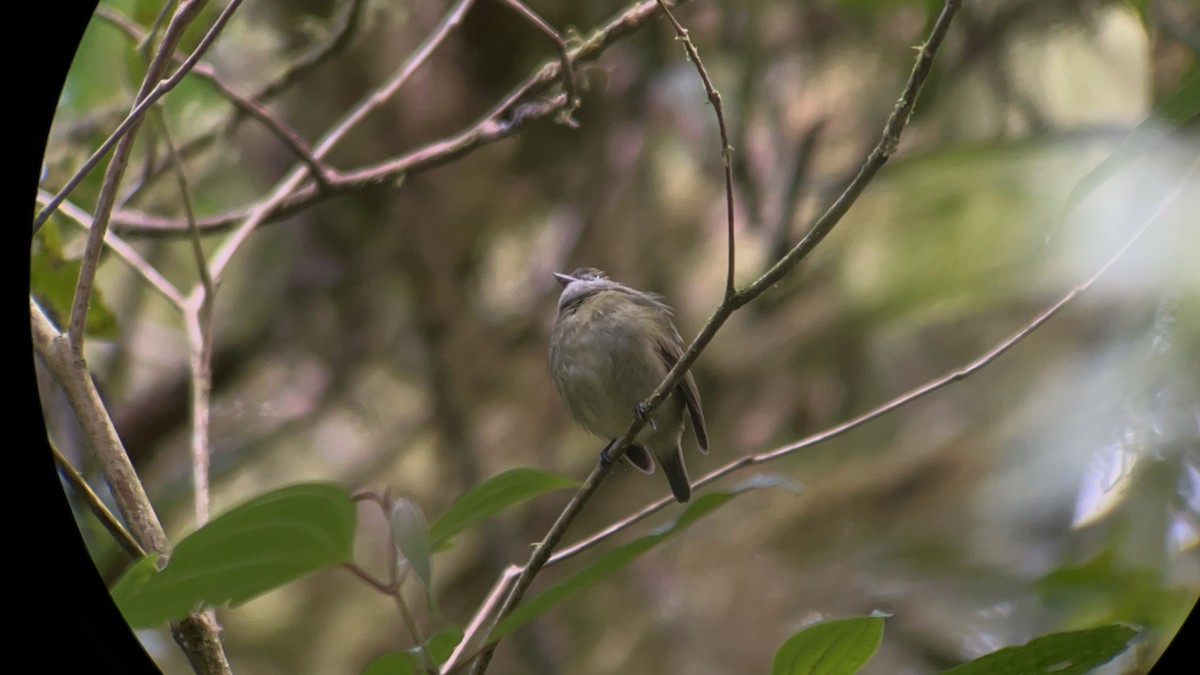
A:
(97, 507)
(122, 136)
(564, 56)
(714, 98)
(505, 119)
(123, 250)
(300, 68)
(731, 302)
(366, 577)
(197, 321)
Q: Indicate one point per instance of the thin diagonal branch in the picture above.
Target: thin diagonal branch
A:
(123, 250)
(731, 302)
(301, 67)
(564, 56)
(197, 320)
(97, 507)
(714, 98)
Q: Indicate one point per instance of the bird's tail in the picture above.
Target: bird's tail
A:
(672, 464)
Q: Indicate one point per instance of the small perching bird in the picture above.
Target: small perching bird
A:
(610, 347)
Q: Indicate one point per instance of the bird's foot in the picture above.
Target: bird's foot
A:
(643, 413)
(605, 461)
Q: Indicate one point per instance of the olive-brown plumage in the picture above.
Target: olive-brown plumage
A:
(610, 347)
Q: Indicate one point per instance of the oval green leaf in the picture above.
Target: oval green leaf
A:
(493, 496)
(837, 647)
(258, 546)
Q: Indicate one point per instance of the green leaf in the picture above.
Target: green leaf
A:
(52, 279)
(491, 497)
(1073, 653)
(837, 647)
(136, 576)
(613, 560)
(440, 645)
(410, 532)
(258, 546)
(393, 663)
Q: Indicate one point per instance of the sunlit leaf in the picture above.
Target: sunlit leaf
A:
(258, 546)
(1073, 653)
(491, 497)
(836, 647)
(614, 560)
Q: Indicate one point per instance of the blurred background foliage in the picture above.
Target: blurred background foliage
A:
(397, 337)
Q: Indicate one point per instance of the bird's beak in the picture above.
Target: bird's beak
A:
(563, 279)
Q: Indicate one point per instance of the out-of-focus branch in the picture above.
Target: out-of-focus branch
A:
(564, 56)
(300, 68)
(730, 303)
(805, 151)
(505, 119)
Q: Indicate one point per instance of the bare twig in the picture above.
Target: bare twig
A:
(504, 119)
(731, 302)
(301, 67)
(97, 507)
(366, 577)
(146, 98)
(123, 250)
(568, 71)
(714, 97)
(197, 320)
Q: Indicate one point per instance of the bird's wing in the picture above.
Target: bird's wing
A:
(670, 351)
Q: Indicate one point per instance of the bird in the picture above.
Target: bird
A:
(611, 345)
